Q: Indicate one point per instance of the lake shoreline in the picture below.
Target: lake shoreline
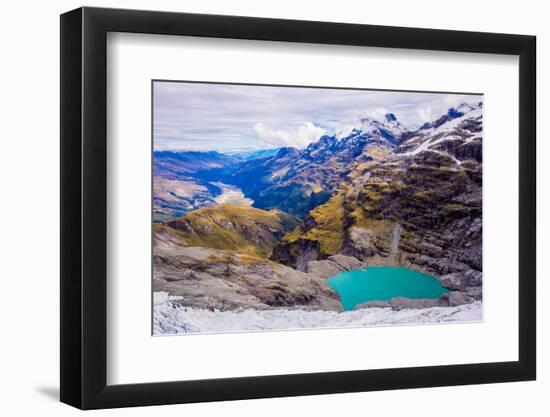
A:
(384, 283)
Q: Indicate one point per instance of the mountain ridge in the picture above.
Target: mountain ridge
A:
(418, 206)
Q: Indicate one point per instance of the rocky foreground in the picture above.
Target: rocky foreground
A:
(170, 317)
(212, 279)
(217, 279)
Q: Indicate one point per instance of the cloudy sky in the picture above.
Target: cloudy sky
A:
(233, 118)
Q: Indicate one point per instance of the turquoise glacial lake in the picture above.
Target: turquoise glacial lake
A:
(383, 283)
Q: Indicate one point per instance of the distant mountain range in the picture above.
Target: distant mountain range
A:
(295, 180)
(263, 153)
(176, 188)
(288, 179)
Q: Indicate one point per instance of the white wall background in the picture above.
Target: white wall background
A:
(29, 219)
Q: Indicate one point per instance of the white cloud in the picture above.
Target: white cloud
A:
(376, 113)
(297, 138)
(425, 114)
(228, 118)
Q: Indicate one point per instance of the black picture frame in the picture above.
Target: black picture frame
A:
(84, 207)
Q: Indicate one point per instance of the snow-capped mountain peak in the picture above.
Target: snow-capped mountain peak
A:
(389, 127)
(351, 140)
(465, 108)
(390, 117)
(452, 114)
(460, 127)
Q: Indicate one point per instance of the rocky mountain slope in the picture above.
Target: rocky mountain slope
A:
(181, 165)
(237, 228)
(417, 206)
(173, 198)
(215, 279)
(217, 258)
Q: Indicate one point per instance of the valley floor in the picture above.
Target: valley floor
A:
(168, 319)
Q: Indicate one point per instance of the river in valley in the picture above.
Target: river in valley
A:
(231, 195)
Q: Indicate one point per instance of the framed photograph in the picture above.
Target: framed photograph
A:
(257, 208)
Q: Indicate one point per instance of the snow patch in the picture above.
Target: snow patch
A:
(169, 318)
(446, 131)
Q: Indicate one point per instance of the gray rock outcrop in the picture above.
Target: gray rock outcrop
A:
(333, 265)
(218, 280)
(450, 299)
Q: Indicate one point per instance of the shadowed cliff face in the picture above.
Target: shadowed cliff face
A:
(423, 210)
